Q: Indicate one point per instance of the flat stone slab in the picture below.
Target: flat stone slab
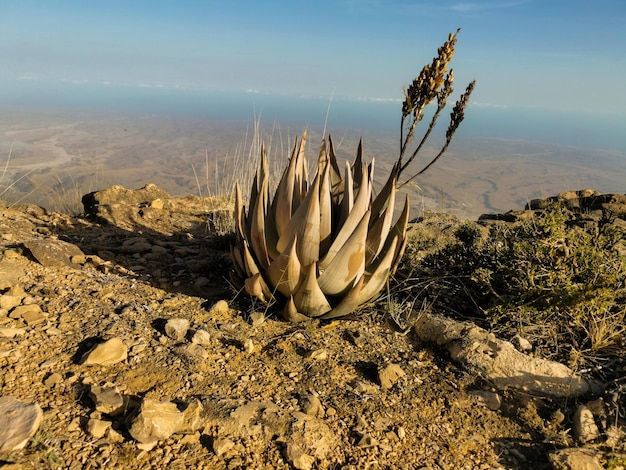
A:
(19, 422)
(54, 253)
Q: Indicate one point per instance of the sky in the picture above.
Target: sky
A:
(562, 56)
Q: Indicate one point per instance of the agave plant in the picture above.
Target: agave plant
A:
(325, 246)
(321, 248)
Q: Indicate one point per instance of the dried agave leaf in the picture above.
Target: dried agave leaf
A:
(256, 287)
(240, 213)
(257, 228)
(326, 211)
(282, 204)
(400, 229)
(357, 165)
(348, 304)
(348, 264)
(347, 201)
(238, 265)
(335, 172)
(309, 298)
(301, 181)
(285, 271)
(290, 312)
(361, 206)
(375, 281)
(305, 224)
(380, 226)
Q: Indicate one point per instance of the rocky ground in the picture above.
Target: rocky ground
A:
(122, 345)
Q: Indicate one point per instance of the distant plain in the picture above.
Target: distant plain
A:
(58, 154)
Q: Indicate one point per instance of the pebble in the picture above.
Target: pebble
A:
(11, 332)
(105, 354)
(584, 427)
(201, 337)
(19, 421)
(107, 400)
(389, 375)
(489, 399)
(367, 441)
(192, 350)
(53, 379)
(257, 318)
(312, 406)
(248, 346)
(8, 301)
(176, 328)
(522, 344)
(193, 417)
(222, 445)
(97, 428)
(298, 458)
(53, 253)
(156, 421)
(318, 355)
(31, 314)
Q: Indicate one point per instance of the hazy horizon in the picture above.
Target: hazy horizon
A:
(604, 131)
(71, 140)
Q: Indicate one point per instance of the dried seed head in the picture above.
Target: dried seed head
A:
(458, 112)
(426, 85)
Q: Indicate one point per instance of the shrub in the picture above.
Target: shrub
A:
(558, 284)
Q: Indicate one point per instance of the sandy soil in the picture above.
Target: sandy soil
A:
(263, 393)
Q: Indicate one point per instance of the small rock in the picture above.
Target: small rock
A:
(192, 417)
(222, 445)
(8, 301)
(257, 318)
(190, 439)
(113, 436)
(192, 350)
(105, 354)
(108, 400)
(53, 379)
(201, 337)
(367, 441)
(522, 344)
(156, 421)
(401, 433)
(97, 428)
(248, 346)
(53, 331)
(575, 459)
(584, 427)
(74, 425)
(390, 375)
(318, 355)
(220, 308)
(11, 332)
(363, 388)
(157, 203)
(78, 259)
(298, 458)
(19, 422)
(312, 406)
(31, 314)
(489, 399)
(176, 328)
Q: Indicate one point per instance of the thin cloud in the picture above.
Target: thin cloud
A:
(472, 7)
(480, 104)
(30, 78)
